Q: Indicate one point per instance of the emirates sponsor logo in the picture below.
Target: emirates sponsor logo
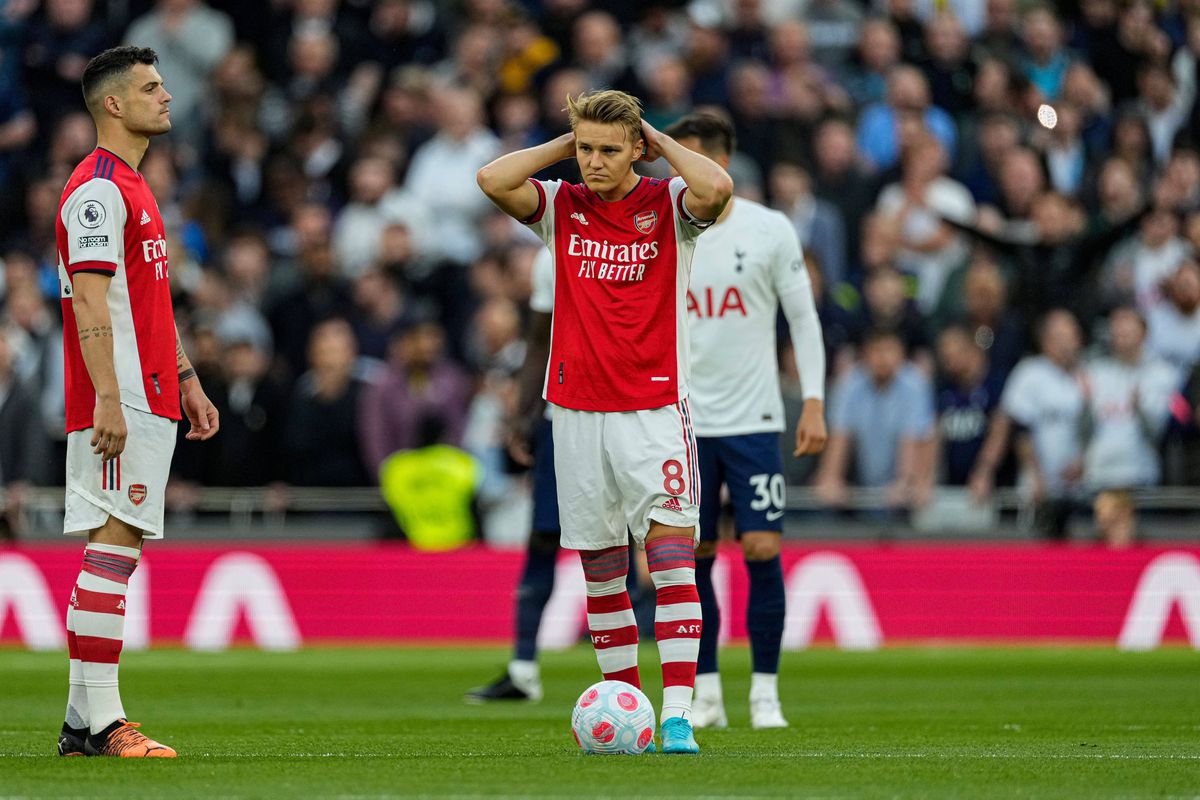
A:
(602, 260)
(603, 249)
(154, 248)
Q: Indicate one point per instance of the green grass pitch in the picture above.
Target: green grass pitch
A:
(390, 722)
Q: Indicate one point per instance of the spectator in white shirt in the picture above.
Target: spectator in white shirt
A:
(1137, 267)
(918, 205)
(1174, 322)
(1041, 405)
(1126, 406)
(190, 39)
(442, 175)
(375, 202)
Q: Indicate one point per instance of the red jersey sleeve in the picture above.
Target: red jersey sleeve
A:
(541, 221)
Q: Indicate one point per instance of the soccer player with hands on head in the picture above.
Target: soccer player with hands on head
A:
(617, 377)
(128, 381)
(746, 267)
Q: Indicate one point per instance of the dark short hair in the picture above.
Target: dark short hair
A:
(109, 64)
(714, 131)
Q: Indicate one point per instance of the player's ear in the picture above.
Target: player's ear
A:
(112, 104)
(639, 149)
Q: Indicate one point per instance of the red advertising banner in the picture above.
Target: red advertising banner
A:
(857, 597)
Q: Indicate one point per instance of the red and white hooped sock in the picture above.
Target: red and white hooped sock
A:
(677, 619)
(610, 614)
(77, 716)
(97, 622)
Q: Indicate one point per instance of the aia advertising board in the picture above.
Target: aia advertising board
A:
(856, 597)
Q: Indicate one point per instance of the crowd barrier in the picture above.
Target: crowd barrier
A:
(856, 597)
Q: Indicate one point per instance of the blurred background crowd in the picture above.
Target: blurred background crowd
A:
(999, 204)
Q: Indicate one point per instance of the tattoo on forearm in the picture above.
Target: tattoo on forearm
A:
(187, 373)
(97, 332)
(180, 357)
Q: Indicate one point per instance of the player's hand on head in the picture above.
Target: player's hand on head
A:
(651, 150)
(567, 142)
(202, 415)
(108, 429)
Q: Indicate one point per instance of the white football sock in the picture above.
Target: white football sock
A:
(523, 673)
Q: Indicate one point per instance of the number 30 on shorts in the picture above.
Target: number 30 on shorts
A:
(673, 481)
(769, 491)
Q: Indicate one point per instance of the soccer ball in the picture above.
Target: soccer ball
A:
(613, 718)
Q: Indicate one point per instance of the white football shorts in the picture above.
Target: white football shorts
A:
(624, 468)
(130, 487)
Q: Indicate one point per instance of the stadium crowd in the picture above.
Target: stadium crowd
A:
(999, 204)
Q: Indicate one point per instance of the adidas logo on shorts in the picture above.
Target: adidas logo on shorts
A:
(672, 504)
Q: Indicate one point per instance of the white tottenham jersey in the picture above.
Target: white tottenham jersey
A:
(742, 267)
(1047, 400)
(1130, 404)
(541, 299)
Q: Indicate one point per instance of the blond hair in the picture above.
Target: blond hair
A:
(608, 107)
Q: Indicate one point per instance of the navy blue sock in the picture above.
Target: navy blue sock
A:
(537, 584)
(709, 634)
(764, 617)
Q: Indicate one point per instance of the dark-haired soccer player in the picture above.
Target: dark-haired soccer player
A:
(125, 373)
(534, 445)
(746, 267)
(617, 378)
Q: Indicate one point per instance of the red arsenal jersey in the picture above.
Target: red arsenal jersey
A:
(109, 223)
(619, 339)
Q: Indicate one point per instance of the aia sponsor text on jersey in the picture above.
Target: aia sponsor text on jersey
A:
(707, 306)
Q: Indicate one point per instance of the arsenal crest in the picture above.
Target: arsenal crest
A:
(645, 221)
(137, 493)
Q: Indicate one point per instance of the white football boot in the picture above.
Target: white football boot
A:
(765, 709)
(766, 712)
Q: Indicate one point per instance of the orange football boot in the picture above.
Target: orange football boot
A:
(127, 742)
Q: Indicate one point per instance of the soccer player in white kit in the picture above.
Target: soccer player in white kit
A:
(746, 267)
(125, 372)
(617, 378)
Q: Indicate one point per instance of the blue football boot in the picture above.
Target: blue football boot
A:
(677, 736)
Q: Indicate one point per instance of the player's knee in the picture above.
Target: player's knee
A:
(760, 545)
(660, 530)
(706, 550)
(543, 542)
(118, 532)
